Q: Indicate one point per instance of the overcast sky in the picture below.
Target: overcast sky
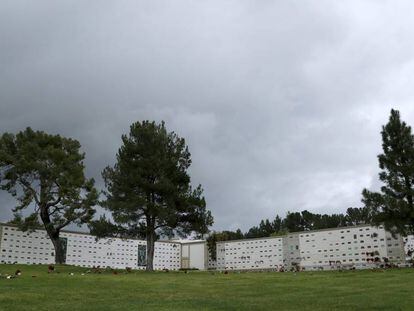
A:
(280, 102)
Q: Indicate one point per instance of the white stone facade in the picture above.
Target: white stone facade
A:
(359, 247)
(194, 255)
(251, 254)
(409, 247)
(83, 250)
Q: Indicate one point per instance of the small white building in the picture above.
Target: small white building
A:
(194, 254)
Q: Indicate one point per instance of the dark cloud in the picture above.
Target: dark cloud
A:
(281, 103)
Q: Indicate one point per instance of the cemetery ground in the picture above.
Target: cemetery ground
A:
(73, 288)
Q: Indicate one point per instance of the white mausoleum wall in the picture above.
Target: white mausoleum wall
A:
(83, 250)
(359, 246)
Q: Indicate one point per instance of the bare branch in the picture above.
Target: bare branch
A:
(31, 189)
(67, 222)
(57, 201)
(56, 209)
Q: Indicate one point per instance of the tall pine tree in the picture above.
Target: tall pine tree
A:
(393, 205)
(148, 189)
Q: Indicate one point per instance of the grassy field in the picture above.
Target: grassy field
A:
(350, 290)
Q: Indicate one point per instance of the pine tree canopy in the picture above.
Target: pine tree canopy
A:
(393, 205)
(46, 174)
(148, 190)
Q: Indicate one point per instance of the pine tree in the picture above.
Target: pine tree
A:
(46, 172)
(148, 190)
(393, 205)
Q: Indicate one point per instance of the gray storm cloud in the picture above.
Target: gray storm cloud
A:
(281, 102)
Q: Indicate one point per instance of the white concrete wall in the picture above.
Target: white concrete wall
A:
(409, 247)
(345, 246)
(25, 248)
(266, 253)
(167, 255)
(395, 248)
(198, 255)
(221, 256)
(83, 250)
(357, 246)
(211, 263)
(185, 250)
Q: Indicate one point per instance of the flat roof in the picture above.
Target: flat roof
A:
(190, 241)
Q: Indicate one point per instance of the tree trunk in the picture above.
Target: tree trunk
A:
(150, 251)
(53, 235)
(59, 252)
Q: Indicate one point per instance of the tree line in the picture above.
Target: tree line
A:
(305, 221)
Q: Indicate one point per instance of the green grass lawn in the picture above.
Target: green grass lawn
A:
(350, 290)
